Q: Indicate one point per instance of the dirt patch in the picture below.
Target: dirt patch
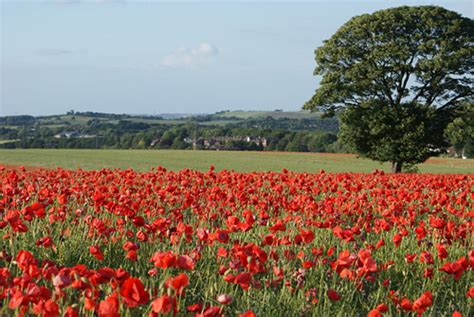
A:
(440, 161)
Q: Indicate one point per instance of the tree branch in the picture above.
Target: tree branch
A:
(401, 91)
(428, 84)
(451, 102)
(432, 98)
(387, 92)
(403, 83)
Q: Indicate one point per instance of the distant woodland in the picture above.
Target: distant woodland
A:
(257, 131)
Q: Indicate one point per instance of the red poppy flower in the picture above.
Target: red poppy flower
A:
(222, 236)
(470, 293)
(307, 235)
(406, 304)
(194, 307)
(383, 308)
(164, 260)
(437, 223)
(456, 268)
(96, 252)
(133, 292)
(243, 279)
(185, 262)
(24, 259)
(397, 239)
(89, 304)
(129, 246)
(131, 255)
(278, 226)
(62, 280)
(163, 304)
(45, 242)
(423, 302)
(109, 307)
(17, 299)
(213, 311)
(333, 295)
(178, 283)
(248, 313)
(374, 313)
(380, 244)
(138, 221)
(71, 312)
(46, 308)
(442, 253)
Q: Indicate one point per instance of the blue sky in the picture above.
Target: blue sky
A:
(150, 57)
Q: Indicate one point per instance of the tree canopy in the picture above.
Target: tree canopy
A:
(396, 78)
(460, 131)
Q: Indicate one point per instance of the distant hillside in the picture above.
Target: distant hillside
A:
(276, 114)
(226, 130)
(293, 120)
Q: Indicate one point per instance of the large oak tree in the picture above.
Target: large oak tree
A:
(395, 78)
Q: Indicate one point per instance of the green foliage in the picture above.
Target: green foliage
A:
(17, 120)
(131, 133)
(412, 65)
(469, 149)
(323, 124)
(460, 131)
(384, 135)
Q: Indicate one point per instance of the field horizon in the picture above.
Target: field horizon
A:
(239, 161)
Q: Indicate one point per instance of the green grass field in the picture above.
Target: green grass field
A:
(143, 160)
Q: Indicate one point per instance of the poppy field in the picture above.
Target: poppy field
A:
(222, 243)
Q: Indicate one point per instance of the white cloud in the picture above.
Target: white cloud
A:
(190, 57)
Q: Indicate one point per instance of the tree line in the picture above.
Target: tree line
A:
(140, 135)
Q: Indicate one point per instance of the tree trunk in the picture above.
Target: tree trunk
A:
(397, 167)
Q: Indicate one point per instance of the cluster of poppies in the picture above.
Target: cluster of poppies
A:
(119, 242)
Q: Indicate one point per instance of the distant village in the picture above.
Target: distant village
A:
(212, 143)
(73, 134)
(222, 142)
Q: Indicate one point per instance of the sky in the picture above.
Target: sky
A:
(152, 57)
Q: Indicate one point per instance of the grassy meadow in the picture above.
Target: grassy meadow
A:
(143, 160)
